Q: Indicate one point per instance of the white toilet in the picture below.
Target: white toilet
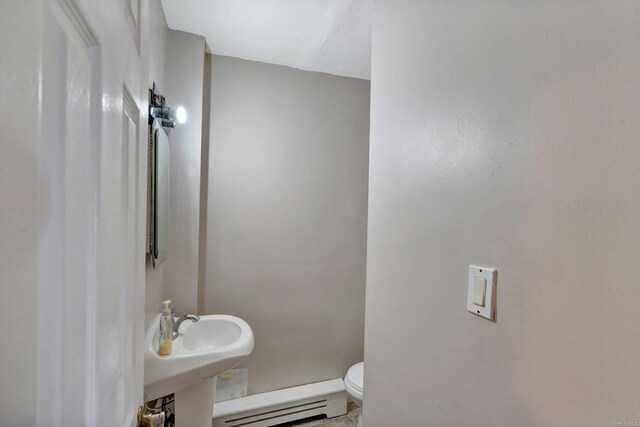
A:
(354, 382)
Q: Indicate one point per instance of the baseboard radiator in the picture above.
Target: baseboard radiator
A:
(282, 406)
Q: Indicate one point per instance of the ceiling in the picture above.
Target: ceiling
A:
(331, 36)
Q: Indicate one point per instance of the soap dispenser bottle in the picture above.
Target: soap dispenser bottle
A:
(166, 330)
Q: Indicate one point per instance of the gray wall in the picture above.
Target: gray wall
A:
(185, 67)
(176, 64)
(157, 60)
(287, 209)
(23, 212)
(504, 134)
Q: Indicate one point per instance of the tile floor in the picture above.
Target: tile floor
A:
(350, 419)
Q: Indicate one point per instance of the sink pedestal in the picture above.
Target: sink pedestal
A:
(201, 350)
(194, 405)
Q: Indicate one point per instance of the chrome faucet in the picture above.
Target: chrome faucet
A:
(177, 323)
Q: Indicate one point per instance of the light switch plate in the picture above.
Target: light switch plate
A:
(488, 311)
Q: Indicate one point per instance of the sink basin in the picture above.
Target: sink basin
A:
(210, 334)
(201, 351)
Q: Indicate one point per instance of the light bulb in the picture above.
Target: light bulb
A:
(181, 114)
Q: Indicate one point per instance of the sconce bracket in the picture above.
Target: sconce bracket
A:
(158, 109)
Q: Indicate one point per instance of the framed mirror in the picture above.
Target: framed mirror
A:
(159, 191)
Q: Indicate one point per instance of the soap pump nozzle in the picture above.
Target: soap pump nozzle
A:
(166, 310)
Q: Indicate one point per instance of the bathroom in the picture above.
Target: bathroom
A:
(433, 200)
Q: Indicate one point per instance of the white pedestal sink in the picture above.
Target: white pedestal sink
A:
(201, 351)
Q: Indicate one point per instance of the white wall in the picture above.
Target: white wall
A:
(159, 34)
(287, 210)
(185, 65)
(505, 134)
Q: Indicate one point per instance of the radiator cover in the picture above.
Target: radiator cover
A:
(282, 406)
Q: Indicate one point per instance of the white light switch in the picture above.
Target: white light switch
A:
(481, 293)
(479, 289)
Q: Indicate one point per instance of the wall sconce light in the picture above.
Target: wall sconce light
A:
(165, 115)
(181, 114)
